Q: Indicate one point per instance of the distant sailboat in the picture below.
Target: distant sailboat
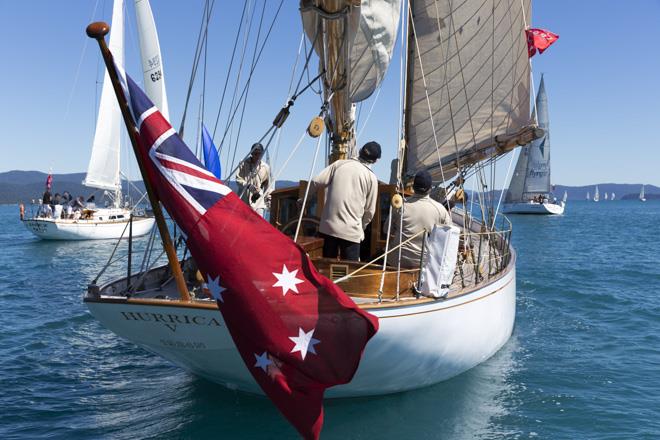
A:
(612, 196)
(606, 196)
(588, 195)
(563, 199)
(103, 172)
(596, 195)
(642, 197)
(530, 189)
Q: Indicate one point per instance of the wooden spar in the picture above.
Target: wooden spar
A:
(97, 31)
(336, 82)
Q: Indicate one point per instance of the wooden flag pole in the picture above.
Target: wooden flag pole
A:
(98, 32)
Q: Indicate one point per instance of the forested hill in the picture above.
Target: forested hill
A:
(25, 186)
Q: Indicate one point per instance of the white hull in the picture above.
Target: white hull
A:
(52, 229)
(417, 345)
(534, 208)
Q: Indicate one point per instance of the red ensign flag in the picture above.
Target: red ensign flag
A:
(297, 332)
(539, 39)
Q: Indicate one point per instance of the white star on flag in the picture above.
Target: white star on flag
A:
(215, 287)
(304, 342)
(287, 280)
(262, 361)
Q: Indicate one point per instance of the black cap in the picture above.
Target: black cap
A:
(370, 152)
(422, 183)
(257, 147)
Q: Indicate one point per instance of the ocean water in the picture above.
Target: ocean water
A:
(583, 361)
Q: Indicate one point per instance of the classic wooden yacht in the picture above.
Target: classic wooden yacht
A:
(466, 103)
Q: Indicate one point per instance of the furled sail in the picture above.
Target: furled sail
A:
(372, 31)
(372, 47)
(467, 82)
(152, 62)
(532, 174)
(103, 168)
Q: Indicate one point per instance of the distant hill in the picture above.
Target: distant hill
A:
(25, 186)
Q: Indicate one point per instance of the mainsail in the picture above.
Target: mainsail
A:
(152, 63)
(103, 168)
(532, 174)
(467, 83)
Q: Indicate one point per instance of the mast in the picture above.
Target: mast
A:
(98, 31)
(333, 17)
(354, 40)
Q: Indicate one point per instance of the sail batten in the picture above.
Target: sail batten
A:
(468, 81)
(104, 164)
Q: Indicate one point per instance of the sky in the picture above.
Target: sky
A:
(601, 78)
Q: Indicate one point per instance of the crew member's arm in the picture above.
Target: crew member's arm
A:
(322, 180)
(370, 203)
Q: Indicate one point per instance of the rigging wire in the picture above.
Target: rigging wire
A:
(203, 29)
(239, 73)
(256, 44)
(252, 70)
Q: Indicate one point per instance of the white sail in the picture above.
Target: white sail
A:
(468, 80)
(596, 195)
(642, 196)
(532, 173)
(588, 196)
(612, 197)
(372, 47)
(152, 62)
(563, 199)
(103, 168)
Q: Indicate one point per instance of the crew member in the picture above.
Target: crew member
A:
(420, 212)
(350, 202)
(253, 179)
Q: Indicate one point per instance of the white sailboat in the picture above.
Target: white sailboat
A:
(565, 198)
(103, 171)
(588, 196)
(421, 340)
(530, 191)
(642, 196)
(596, 194)
(612, 196)
(606, 196)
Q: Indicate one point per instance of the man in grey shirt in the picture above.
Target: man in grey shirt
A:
(420, 212)
(350, 202)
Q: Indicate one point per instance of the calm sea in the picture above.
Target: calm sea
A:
(583, 362)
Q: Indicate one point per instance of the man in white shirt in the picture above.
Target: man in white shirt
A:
(420, 212)
(253, 179)
(350, 202)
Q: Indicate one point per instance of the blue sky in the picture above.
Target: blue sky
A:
(601, 78)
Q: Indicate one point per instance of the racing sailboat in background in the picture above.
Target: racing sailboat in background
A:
(530, 189)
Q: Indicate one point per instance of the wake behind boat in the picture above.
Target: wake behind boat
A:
(530, 189)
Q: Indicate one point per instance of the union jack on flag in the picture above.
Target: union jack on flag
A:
(169, 154)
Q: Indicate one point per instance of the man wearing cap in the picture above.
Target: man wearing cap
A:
(253, 179)
(350, 202)
(420, 212)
